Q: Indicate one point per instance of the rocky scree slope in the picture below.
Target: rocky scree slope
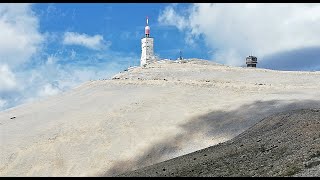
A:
(284, 144)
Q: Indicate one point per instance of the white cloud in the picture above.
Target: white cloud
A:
(20, 38)
(3, 104)
(51, 78)
(73, 54)
(51, 60)
(238, 30)
(28, 72)
(7, 79)
(95, 42)
(20, 42)
(170, 17)
(48, 90)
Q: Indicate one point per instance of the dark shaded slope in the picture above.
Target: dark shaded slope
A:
(280, 145)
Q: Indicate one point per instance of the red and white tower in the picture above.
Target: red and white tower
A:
(147, 28)
(147, 55)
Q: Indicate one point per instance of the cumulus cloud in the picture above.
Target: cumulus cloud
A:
(51, 60)
(170, 17)
(73, 54)
(29, 72)
(95, 42)
(235, 31)
(3, 103)
(52, 77)
(7, 79)
(20, 38)
(20, 42)
(48, 90)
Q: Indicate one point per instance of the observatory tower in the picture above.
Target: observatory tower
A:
(147, 55)
(251, 61)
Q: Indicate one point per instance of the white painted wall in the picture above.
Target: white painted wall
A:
(147, 54)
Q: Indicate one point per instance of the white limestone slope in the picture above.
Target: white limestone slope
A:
(144, 116)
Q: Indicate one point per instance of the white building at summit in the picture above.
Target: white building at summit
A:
(147, 55)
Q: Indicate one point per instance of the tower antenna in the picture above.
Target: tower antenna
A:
(147, 21)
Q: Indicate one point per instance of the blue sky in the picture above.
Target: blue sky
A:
(121, 24)
(48, 48)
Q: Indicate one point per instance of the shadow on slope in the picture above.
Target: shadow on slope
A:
(283, 144)
(214, 125)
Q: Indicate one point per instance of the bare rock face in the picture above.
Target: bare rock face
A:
(283, 144)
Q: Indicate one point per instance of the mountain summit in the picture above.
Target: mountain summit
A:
(145, 115)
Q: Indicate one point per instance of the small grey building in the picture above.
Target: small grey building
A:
(251, 61)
